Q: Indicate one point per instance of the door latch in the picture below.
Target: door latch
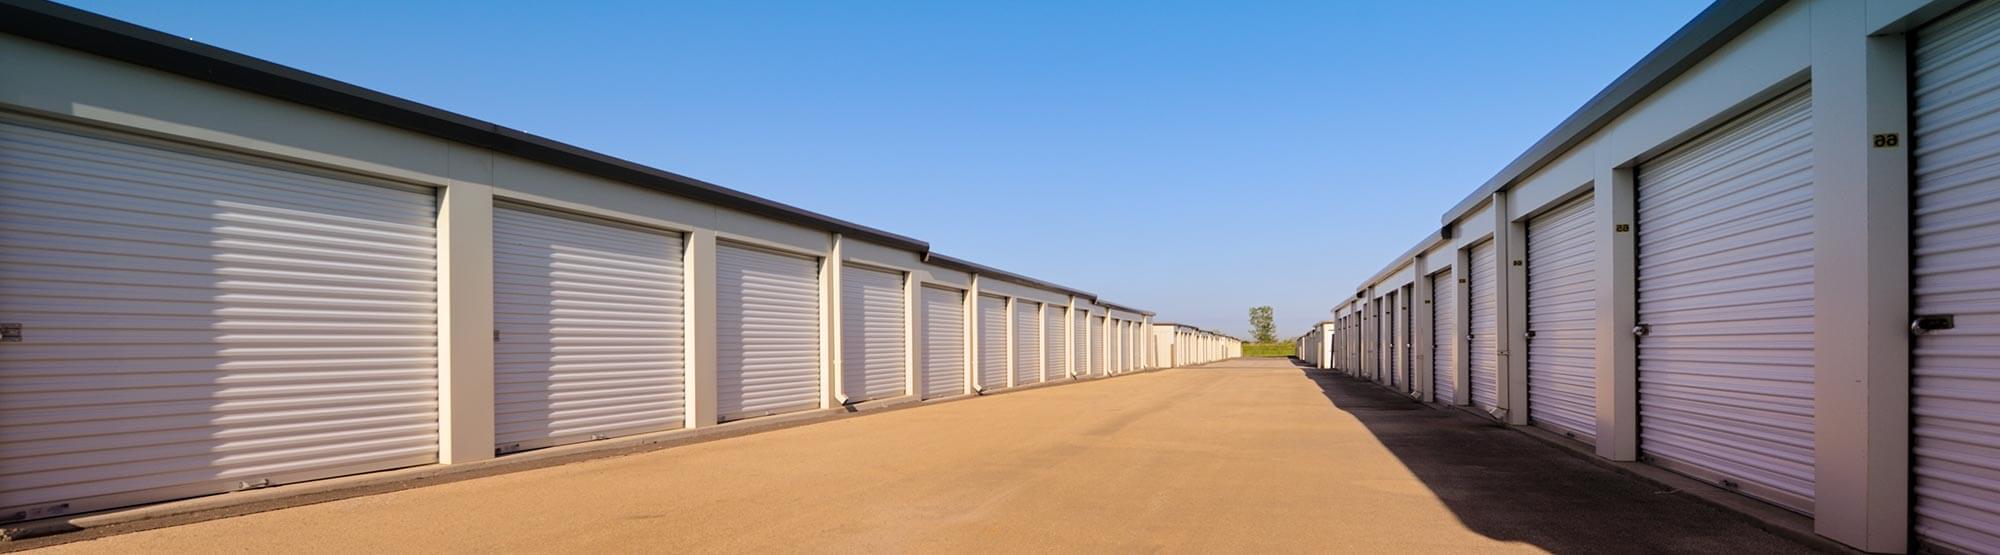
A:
(1642, 330)
(10, 333)
(1918, 326)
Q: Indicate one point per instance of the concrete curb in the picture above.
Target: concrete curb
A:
(73, 528)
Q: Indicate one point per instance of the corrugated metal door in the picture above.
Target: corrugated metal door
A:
(1562, 320)
(192, 324)
(1027, 342)
(944, 342)
(767, 324)
(588, 318)
(1053, 352)
(1725, 292)
(1956, 228)
(1483, 353)
(1443, 311)
(992, 342)
(871, 333)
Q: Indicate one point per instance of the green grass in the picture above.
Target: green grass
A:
(1279, 349)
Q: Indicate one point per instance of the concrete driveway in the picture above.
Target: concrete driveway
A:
(1244, 456)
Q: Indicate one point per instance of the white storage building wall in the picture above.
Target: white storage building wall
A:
(1763, 259)
(378, 295)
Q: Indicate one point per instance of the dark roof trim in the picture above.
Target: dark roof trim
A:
(118, 40)
(1709, 31)
(103, 36)
(1002, 275)
(1408, 257)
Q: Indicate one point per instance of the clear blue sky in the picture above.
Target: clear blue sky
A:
(1191, 158)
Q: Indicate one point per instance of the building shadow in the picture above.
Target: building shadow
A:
(1509, 487)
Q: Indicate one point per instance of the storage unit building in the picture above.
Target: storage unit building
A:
(1762, 259)
(224, 274)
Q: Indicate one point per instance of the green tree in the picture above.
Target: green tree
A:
(1261, 327)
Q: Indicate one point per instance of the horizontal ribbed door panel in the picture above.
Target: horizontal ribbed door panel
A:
(1482, 303)
(1725, 286)
(1444, 293)
(1027, 342)
(944, 342)
(1562, 320)
(992, 342)
(1955, 373)
(1054, 354)
(588, 316)
(767, 332)
(872, 325)
(1080, 328)
(194, 324)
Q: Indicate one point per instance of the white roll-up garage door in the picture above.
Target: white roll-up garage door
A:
(767, 324)
(1054, 355)
(873, 350)
(992, 342)
(1956, 241)
(194, 324)
(1027, 342)
(1080, 329)
(587, 316)
(944, 342)
(1562, 320)
(1725, 292)
(1483, 354)
(1444, 293)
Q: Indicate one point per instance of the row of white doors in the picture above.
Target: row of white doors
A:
(193, 322)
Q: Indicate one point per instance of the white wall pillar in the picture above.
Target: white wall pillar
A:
(700, 303)
(1617, 312)
(1861, 342)
(913, 324)
(1461, 327)
(465, 310)
(832, 363)
(972, 337)
(1421, 329)
(1510, 239)
(1013, 342)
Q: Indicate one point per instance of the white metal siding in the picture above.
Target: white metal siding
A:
(767, 332)
(873, 349)
(1081, 329)
(944, 342)
(193, 324)
(1053, 352)
(1562, 320)
(1027, 342)
(1725, 283)
(1483, 354)
(992, 342)
(588, 321)
(1956, 228)
(1097, 346)
(1443, 306)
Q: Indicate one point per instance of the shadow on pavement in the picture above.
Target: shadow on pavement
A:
(1510, 487)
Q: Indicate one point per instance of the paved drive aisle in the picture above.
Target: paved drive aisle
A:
(1235, 457)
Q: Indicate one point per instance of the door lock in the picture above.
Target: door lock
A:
(1642, 330)
(1918, 326)
(10, 333)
